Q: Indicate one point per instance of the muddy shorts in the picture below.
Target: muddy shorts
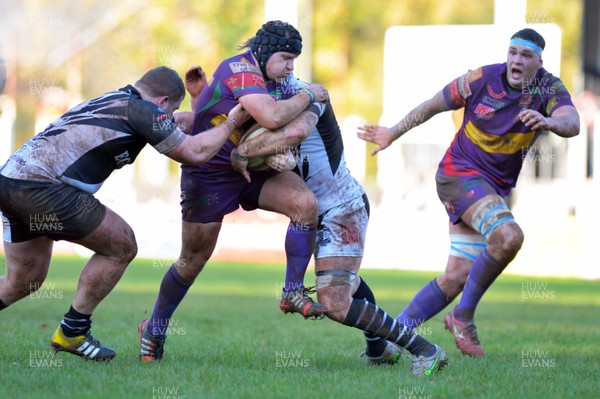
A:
(342, 230)
(31, 209)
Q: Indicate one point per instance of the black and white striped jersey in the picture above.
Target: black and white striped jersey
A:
(84, 146)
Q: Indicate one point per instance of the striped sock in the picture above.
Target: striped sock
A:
(75, 324)
(375, 345)
(372, 319)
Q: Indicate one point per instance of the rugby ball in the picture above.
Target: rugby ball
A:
(281, 162)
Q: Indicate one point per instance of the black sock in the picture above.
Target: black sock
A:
(375, 345)
(3, 305)
(75, 324)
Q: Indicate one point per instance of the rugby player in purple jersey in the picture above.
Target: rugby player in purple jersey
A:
(343, 220)
(47, 187)
(258, 79)
(506, 107)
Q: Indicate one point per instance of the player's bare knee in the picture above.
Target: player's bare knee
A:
(337, 303)
(452, 283)
(22, 288)
(334, 291)
(464, 249)
(126, 249)
(306, 207)
(189, 270)
(192, 260)
(131, 251)
(506, 241)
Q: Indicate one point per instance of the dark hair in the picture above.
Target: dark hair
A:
(162, 81)
(531, 35)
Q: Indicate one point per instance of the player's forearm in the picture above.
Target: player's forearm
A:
(214, 139)
(565, 122)
(284, 111)
(420, 114)
(280, 140)
(202, 147)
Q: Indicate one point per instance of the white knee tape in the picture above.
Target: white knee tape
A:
(491, 214)
(332, 278)
(467, 246)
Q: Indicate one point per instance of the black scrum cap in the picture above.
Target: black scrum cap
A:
(272, 37)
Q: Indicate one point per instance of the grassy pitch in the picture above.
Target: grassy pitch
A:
(228, 339)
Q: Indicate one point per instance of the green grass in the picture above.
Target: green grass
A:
(229, 340)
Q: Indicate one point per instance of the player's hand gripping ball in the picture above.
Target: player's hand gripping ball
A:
(281, 162)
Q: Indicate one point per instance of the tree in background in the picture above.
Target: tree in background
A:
(89, 47)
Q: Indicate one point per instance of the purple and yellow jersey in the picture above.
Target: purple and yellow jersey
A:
(492, 142)
(235, 77)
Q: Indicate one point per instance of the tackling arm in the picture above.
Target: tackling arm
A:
(202, 147)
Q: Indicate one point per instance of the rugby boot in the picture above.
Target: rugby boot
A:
(151, 346)
(85, 346)
(298, 301)
(391, 355)
(426, 366)
(465, 336)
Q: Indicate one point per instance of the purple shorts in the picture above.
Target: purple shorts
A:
(208, 194)
(458, 193)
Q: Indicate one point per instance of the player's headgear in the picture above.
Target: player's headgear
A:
(272, 37)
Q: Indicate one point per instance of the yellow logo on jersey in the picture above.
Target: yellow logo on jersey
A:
(235, 136)
(508, 143)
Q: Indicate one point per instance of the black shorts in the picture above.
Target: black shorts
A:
(32, 209)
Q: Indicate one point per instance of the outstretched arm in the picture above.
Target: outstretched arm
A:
(384, 137)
